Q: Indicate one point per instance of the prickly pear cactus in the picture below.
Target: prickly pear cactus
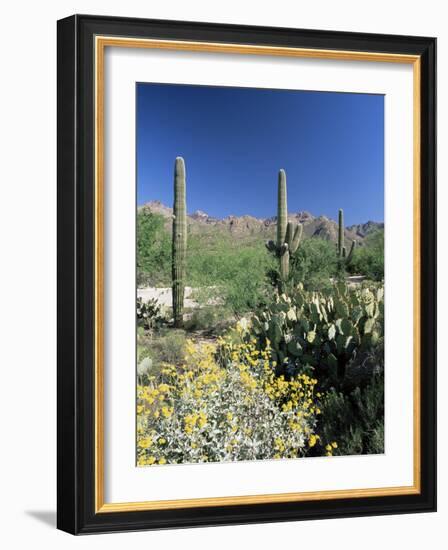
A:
(179, 245)
(288, 234)
(324, 330)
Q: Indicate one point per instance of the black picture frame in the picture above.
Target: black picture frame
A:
(76, 254)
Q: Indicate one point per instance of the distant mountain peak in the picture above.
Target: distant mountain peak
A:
(199, 215)
(158, 208)
(363, 229)
(303, 216)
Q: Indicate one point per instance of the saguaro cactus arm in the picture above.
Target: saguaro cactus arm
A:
(295, 242)
(341, 249)
(350, 254)
(179, 243)
(289, 233)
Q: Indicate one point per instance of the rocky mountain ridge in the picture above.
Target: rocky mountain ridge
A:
(244, 226)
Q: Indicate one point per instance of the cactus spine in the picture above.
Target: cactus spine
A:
(289, 234)
(179, 245)
(342, 251)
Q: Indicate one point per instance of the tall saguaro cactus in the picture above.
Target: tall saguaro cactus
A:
(179, 246)
(289, 234)
(342, 251)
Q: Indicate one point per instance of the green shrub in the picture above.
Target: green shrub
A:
(166, 345)
(236, 274)
(169, 346)
(314, 264)
(368, 260)
(211, 319)
(356, 420)
(215, 261)
(153, 250)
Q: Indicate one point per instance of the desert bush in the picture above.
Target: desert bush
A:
(314, 264)
(214, 259)
(203, 412)
(368, 259)
(153, 250)
(356, 418)
(211, 319)
(166, 345)
(237, 272)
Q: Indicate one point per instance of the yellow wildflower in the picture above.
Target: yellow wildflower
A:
(167, 411)
(145, 442)
(202, 421)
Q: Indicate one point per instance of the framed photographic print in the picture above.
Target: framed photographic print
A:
(246, 274)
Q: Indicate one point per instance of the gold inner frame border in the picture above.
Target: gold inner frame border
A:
(100, 44)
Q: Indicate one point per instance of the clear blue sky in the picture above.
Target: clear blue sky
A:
(234, 141)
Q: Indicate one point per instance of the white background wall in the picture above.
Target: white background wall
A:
(28, 270)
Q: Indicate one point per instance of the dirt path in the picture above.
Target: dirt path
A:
(164, 296)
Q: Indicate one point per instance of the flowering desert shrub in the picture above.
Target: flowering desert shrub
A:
(203, 411)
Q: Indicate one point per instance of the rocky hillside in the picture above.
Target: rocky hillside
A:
(246, 227)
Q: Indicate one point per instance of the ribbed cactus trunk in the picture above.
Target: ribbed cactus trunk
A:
(344, 259)
(289, 234)
(341, 234)
(282, 208)
(282, 222)
(179, 248)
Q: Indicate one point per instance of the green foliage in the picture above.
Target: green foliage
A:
(288, 234)
(179, 236)
(214, 260)
(368, 260)
(314, 264)
(326, 331)
(355, 420)
(229, 274)
(232, 276)
(153, 249)
(210, 319)
(166, 345)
